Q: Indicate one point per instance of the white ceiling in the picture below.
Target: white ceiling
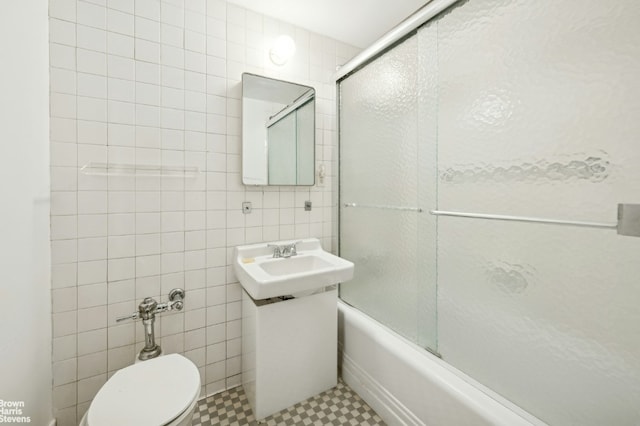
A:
(355, 22)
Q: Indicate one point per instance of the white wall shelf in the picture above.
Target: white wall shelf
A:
(146, 170)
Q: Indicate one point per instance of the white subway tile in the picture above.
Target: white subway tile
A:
(121, 112)
(64, 251)
(64, 299)
(120, 22)
(92, 341)
(194, 338)
(147, 29)
(92, 15)
(120, 67)
(172, 77)
(64, 348)
(122, 135)
(148, 9)
(92, 249)
(91, 38)
(63, 9)
(61, 56)
(121, 269)
(147, 202)
(121, 357)
(64, 372)
(121, 291)
(122, 224)
(63, 397)
(148, 94)
(147, 72)
(92, 109)
(194, 61)
(195, 141)
(172, 262)
(121, 90)
(63, 32)
(195, 41)
(92, 85)
(172, 139)
(147, 223)
(92, 364)
(64, 323)
(91, 132)
(216, 333)
(121, 5)
(121, 246)
(147, 115)
(215, 353)
(63, 105)
(92, 202)
(148, 266)
(62, 129)
(120, 45)
(91, 62)
(94, 225)
(216, 314)
(63, 275)
(148, 51)
(88, 388)
(92, 272)
(195, 282)
(172, 15)
(172, 36)
(64, 227)
(122, 335)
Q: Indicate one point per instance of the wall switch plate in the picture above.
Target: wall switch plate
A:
(246, 207)
(307, 206)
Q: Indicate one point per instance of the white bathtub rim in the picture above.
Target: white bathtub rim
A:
(478, 397)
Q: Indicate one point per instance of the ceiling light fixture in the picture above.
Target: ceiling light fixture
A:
(282, 50)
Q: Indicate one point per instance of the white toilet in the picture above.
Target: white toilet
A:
(159, 392)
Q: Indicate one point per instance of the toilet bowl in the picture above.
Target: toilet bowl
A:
(160, 392)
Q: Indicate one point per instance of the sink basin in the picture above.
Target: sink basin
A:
(264, 276)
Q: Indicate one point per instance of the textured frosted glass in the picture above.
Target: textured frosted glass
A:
(379, 166)
(538, 106)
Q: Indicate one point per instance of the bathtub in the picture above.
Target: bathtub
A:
(406, 385)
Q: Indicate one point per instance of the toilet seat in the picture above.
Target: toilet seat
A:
(154, 392)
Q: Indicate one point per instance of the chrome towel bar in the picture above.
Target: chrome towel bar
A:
(628, 219)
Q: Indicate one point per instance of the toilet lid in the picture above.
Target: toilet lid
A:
(153, 392)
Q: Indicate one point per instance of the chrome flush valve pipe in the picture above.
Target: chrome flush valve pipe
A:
(147, 310)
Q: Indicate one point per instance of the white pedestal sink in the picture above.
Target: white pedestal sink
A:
(289, 344)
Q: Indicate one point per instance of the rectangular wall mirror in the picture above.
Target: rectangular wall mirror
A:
(278, 132)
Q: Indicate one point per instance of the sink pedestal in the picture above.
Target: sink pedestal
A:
(289, 349)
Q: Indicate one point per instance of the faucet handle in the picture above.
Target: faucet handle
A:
(277, 250)
(294, 249)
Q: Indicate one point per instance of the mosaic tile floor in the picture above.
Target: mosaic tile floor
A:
(337, 406)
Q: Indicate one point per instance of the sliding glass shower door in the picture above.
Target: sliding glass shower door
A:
(503, 107)
(388, 130)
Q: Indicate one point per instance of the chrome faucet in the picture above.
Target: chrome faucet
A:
(289, 250)
(286, 250)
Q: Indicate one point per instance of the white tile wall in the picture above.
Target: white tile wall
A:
(158, 82)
